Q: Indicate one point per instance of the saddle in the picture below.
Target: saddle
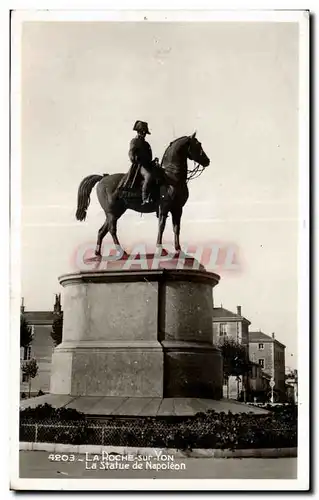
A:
(131, 186)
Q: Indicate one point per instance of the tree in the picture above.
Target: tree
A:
(292, 375)
(291, 379)
(30, 370)
(56, 332)
(25, 332)
(235, 360)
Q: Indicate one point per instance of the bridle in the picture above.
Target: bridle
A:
(193, 173)
(196, 171)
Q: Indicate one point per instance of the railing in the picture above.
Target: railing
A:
(162, 433)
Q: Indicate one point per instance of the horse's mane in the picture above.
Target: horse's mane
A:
(173, 143)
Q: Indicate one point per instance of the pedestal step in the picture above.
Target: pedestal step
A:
(142, 407)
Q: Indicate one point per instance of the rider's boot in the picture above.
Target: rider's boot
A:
(147, 201)
(145, 196)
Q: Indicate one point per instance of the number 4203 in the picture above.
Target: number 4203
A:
(54, 457)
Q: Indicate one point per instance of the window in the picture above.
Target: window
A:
(261, 362)
(24, 377)
(222, 329)
(260, 346)
(27, 353)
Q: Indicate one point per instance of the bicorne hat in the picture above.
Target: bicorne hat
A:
(140, 126)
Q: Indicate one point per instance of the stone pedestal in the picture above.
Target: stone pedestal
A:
(138, 333)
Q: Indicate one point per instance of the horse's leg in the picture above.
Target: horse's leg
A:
(113, 228)
(102, 232)
(112, 225)
(162, 216)
(176, 220)
(114, 208)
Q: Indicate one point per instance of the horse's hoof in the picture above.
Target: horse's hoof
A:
(162, 250)
(98, 253)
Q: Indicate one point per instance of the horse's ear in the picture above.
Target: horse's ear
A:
(193, 135)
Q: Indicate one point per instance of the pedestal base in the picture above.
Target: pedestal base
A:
(138, 333)
(108, 369)
(192, 369)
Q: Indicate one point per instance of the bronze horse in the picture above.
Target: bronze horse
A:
(169, 194)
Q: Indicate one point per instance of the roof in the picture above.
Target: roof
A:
(39, 317)
(262, 337)
(222, 313)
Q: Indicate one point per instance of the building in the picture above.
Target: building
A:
(264, 350)
(227, 324)
(258, 388)
(269, 353)
(230, 325)
(41, 347)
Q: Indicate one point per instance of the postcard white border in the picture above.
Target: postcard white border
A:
(301, 18)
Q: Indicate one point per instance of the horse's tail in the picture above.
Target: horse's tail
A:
(84, 192)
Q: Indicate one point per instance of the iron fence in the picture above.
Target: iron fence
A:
(161, 433)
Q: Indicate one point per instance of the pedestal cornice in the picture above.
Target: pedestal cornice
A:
(123, 276)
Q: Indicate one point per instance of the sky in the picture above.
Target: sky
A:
(84, 85)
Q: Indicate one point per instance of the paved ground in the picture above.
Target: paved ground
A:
(37, 464)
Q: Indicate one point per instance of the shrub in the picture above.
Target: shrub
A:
(47, 412)
(277, 429)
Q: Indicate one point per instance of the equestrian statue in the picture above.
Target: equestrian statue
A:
(147, 187)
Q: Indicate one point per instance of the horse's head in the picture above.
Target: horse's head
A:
(196, 152)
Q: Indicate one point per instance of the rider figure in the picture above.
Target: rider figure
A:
(140, 154)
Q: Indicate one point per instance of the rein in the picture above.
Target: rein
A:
(195, 172)
(192, 173)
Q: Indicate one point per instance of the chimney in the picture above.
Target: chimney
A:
(239, 310)
(273, 335)
(22, 305)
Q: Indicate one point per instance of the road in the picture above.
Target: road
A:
(37, 464)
